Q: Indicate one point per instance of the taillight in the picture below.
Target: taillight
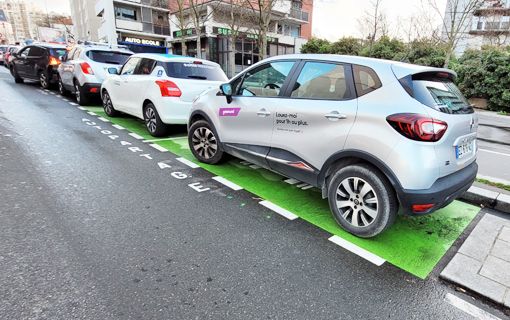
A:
(420, 208)
(54, 61)
(418, 127)
(85, 68)
(168, 88)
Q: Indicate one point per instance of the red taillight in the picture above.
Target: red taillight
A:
(85, 67)
(94, 90)
(168, 88)
(54, 61)
(419, 208)
(418, 127)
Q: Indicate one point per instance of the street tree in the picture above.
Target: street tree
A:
(263, 11)
(373, 24)
(182, 22)
(201, 11)
(238, 16)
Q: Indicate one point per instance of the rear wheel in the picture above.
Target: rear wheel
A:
(43, 80)
(204, 143)
(362, 200)
(81, 97)
(153, 122)
(61, 88)
(108, 105)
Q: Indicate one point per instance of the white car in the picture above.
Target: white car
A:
(159, 88)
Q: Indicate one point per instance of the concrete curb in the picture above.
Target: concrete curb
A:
(487, 198)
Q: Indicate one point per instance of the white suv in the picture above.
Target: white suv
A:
(372, 134)
(84, 68)
(159, 88)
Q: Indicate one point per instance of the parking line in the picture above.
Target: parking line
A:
(164, 139)
(82, 108)
(118, 127)
(188, 163)
(495, 152)
(158, 147)
(254, 166)
(92, 113)
(228, 183)
(103, 119)
(285, 213)
(375, 259)
(291, 181)
(307, 187)
(72, 103)
(468, 308)
(136, 136)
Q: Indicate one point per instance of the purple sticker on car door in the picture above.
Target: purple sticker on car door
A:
(229, 112)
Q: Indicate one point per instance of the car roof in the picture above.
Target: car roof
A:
(48, 45)
(103, 48)
(165, 57)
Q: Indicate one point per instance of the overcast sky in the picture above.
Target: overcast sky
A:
(60, 6)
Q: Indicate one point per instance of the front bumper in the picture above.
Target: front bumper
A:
(442, 192)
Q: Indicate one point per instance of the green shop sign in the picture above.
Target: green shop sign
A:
(253, 36)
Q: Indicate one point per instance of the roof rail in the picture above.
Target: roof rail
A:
(103, 44)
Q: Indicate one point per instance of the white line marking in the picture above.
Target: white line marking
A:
(378, 261)
(158, 147)
(188, 163)
(469, 308)
(495, 152)
(307, 187)
(301, 185)
(254, 166)
(228, 183)
(72, 103)
(245, 162)
(164, 139)
(82, 108)
(291, 181)
(52, 92)
(118, 127)
(287, 214)
(92, 113)
(103, 119)
(136, 136)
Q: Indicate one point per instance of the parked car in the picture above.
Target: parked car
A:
(8, 57)
(3, 50)
(38, 62)
(373, 135)
(84, 68)
(159, 88)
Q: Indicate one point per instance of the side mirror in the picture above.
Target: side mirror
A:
(113, 70)
(226, 89)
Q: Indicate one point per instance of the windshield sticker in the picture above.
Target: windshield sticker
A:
(198, 65)
(229, 112)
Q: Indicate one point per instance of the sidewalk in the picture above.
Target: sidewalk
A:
(482, 263)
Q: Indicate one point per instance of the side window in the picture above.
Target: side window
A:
(130, 66)
(145, 66)
(266, 80)
(37, 52)
(24, 53)
(322, 80)
(365, 80)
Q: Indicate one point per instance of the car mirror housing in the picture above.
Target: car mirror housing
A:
(226, 89)
(113, 70)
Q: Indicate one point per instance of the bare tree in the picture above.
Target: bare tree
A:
(374, 23)
(238, 16)
(263, 10)
(182, 22)
(455, 22)
(201, 11)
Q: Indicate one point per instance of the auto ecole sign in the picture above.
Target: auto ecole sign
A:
(147, 42)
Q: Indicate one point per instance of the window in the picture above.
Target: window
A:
(129, 67)
(37, 52)
(110, 57)
(365, 80)
(320, 80)
(57, 52)
(24, 53)
(125, 13)
(197, 71)
(266, 80)
(145, 66)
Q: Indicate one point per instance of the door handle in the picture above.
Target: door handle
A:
(334, 116)
(263, 113)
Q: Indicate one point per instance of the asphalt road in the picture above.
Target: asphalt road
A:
(90, 229)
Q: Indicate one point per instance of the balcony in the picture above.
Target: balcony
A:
(129, 25)
(493, 8)
(298, 14)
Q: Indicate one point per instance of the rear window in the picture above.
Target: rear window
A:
(440, 93)
(109, 57)
(58, 52)
(365, 80)
(3, 49)
(198, 71)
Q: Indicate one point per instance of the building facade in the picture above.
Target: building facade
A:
(18, 17)
(85, 21)
(142, 25)
(289, 28)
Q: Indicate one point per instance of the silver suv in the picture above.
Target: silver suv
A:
(85, 66)
(373, 135)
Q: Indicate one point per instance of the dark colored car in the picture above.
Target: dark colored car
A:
(37, 62)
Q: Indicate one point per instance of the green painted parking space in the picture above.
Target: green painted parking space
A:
(414, 244)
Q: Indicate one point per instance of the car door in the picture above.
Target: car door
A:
(118, 92)
(134, 87)
(36, 61)
(314, 119)
(67, 68)
(20, 63)
(247, 122)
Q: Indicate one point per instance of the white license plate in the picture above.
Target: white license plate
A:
(465, 149)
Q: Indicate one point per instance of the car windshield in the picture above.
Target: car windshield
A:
(59, 52)
(109, 57)
(198, 71)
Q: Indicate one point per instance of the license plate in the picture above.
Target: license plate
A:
(465, 149)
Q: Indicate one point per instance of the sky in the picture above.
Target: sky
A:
(59, 6)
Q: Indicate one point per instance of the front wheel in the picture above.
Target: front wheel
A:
(204, 143)
(81, 97)
(108, 105)
(61, 88)
(362, 200)
(153, 122)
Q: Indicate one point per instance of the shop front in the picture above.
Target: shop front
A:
(139, 44)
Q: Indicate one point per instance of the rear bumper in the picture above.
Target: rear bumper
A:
(92, 89)
(442, 192)
(173, 110)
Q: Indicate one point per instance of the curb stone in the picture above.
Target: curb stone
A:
(487, 198)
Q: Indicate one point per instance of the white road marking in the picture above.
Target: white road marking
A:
(103, 119)
(285, 213)
(291, 181)
(158, 147)
(228, 183)
(307, 187)
(378, 261)
(245, 163)
(118, 127)
(495, 152)
(469, 308)
(91, 113)
(188, 163)
(136, 136)
(254, 166)
(82, 108)
(301, 185)
(164, 139)
(74, 104)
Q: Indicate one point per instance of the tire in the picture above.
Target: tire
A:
(108, 105)
(43, 80)
(17, 78)
(362, 200)
(81, 97)
(201, 139)
(61, 89)
(153, 122)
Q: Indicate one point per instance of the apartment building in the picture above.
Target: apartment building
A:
(18, 17)
(85, 21)
(142, 25)
(289, 29)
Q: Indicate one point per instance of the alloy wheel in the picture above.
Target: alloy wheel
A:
(150, 119)
(43, 80)
(61, 89)
(77, 92)
(107, 103)
(204, 142)
(357, 202)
